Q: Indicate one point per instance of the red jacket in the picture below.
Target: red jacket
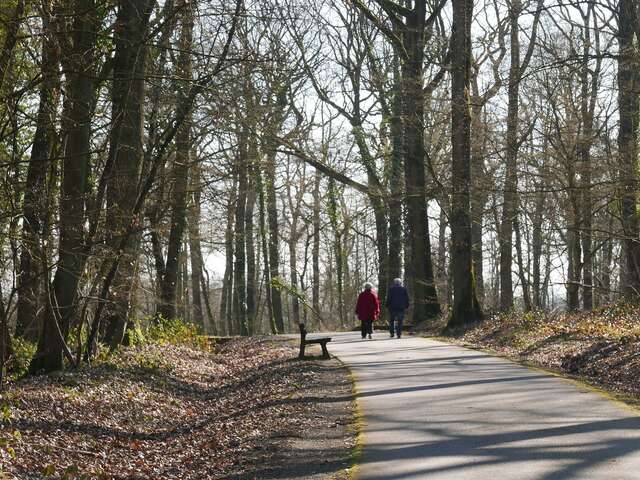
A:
(368, 306)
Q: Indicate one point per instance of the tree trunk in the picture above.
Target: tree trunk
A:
(6, 349)
(195, 251)
(180, 173)
(587, 242)
(265, 250)
(252, 279)
(129, 68)
(226, 300)
(239, 266)
(382, 245)
(315, 252)
(156, 204)
(158, 258)
(75, 167)
(35, 203)
(338, 251)
(546, 302)
(590, 80)
(478, 195)
(294, 237)
(573, 270)
(522, 273)
(425, 298)
(395, 179)
(293, 273)
(182, 291)
(629, 108)
(605, 269)
(536, 249)
(466, 308)
(510, 206)
(272, 219)
(442, 273)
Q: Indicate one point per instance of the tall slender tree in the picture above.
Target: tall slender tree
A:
(279, 101)
(466, 308)
(195, 248)
(240, 260)
(125, 150)
(180, 172)
(35, 202)
(517, 70)
(226, 298)
(629, 108)
(79, 99)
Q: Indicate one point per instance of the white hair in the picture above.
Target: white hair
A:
(368, 286)
(397, 281)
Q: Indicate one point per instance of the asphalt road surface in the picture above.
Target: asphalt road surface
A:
(441, 412)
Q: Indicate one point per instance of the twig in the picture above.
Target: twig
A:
(70, 450)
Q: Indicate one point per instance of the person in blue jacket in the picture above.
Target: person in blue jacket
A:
(397, 304)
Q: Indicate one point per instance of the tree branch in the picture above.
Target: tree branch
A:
(386, 31)
(534, 35)
(435, 14)
(324, 168)
(394, 7)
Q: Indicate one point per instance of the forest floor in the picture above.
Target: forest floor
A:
(245, 409)
(601, 347)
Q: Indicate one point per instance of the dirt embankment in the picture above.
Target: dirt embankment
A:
(248, 409)
(601, 347)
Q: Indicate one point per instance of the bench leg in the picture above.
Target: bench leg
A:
(325, 352)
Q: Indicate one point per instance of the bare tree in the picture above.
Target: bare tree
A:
(513, 141)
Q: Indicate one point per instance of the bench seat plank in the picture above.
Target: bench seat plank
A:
(318, 340)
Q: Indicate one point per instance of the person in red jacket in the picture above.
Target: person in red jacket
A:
(367, 309)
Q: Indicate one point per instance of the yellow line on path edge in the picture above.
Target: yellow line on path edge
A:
(357, 426)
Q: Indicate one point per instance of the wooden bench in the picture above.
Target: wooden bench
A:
(304, 342)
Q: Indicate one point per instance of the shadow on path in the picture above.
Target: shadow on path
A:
(471, 451)
(442, 412)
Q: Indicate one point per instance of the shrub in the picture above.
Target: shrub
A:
(174, 331)
(134, 336)
(23, 352)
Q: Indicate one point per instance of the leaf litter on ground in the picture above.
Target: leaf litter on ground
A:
(157, 412)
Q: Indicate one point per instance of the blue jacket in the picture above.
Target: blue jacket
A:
(397, 298)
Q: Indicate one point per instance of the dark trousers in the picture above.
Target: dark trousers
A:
(366, 326)
(396, 317)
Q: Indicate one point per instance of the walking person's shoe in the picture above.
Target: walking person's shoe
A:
(369, 336)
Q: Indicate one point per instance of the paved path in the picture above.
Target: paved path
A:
(441, 412)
